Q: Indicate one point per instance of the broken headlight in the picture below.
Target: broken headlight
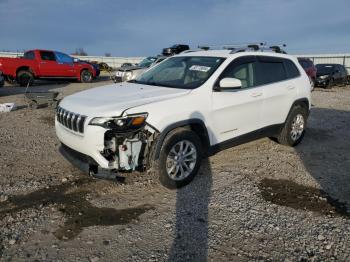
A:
(121, 124)
(128, 75)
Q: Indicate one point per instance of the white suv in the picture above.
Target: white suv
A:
(187, 107)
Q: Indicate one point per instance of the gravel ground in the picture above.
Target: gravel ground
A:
(256, 202)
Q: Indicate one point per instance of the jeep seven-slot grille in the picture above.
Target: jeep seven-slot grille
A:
(71, 120)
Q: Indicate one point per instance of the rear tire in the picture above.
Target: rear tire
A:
(294, 127)
(25, 77)
(86, 76)
(180, 158)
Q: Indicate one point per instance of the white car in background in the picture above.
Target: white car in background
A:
(190, 106)
(130, 72)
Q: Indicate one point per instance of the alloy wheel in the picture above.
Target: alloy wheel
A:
(181, 160)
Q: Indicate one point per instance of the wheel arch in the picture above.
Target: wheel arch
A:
(25, 68)
(195, 125)
(303, 102)
(91, 70)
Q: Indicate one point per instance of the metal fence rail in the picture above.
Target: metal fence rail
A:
(343, 59)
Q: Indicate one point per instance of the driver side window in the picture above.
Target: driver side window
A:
(243, 69)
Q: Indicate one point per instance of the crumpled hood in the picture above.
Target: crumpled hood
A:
(130, 68)
(112, 100)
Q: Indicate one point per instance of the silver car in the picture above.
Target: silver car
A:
(128, 73)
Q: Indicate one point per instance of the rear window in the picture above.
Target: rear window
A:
(48, 56)
(29, 55)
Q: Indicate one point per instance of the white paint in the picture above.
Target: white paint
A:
(226, 114)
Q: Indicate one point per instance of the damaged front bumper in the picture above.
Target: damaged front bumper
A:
(101, 150)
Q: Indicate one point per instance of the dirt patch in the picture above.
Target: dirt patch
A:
(71, 199)
(290, 194)
(49, 120)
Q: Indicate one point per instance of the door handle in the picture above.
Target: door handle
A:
(290, 87)
(257, 94)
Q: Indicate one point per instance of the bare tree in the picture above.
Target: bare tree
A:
(80, 51)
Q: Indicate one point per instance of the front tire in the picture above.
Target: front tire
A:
(294, 127)
(86, 76)
(180, 158)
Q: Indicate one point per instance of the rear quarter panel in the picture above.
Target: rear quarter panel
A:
(9, 66)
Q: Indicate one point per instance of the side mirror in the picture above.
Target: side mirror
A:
(230, 83)
(75, 60)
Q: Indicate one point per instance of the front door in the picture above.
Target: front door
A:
(65, 65)
(237, 112)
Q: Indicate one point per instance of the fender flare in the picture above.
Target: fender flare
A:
(301, 101)
(175, 125)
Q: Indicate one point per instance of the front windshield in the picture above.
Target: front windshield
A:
(325, 69)
(147, 61)
(186, 72)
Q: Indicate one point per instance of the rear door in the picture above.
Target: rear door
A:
(277, 77)
(237, 112)
(48, 65)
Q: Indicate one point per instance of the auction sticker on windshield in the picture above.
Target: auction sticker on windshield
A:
(200, 68)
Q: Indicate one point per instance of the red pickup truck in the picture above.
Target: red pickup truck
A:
(45, 64)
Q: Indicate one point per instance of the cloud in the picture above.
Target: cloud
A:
(137, 28)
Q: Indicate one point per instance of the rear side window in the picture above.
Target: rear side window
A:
(292, 70)
(48, 56)
(271, 69)
(29, 55)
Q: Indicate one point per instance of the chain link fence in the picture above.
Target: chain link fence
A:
(343, 59)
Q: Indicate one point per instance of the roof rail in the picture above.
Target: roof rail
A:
(278, 49)
(235, 48)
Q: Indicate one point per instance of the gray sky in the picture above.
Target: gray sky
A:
(144, 27)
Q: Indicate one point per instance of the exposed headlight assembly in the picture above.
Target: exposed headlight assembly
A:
(324, 77)
(128, 75)
(123, 124)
